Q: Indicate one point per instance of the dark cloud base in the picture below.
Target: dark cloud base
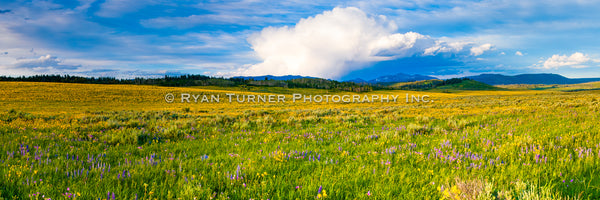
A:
(410, 65)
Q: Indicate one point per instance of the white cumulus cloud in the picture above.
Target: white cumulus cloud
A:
(43, 63)
(575, 60)
(446, 47)
(518, 53)
(478, 50)
(336, 42)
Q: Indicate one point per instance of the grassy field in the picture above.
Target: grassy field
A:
(84, 141)
(554, 87)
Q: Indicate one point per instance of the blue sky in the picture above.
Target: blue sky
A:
(338, 40)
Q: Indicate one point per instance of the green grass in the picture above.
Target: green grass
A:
(424, 82)
(473, 144)
(466, 85)
(450, 88)
(555, 87)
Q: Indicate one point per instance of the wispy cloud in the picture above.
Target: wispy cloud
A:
(207, 19)
(118, 8)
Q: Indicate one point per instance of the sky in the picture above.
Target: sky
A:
(338, 40)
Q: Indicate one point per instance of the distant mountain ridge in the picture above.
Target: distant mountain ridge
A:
(491, 79)
(357, 80)
(499, 79)
(271, 77)
(399, 77)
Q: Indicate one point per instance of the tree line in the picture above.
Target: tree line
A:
(200, 80)
(430, 84)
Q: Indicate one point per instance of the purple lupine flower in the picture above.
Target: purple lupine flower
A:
(320, 189)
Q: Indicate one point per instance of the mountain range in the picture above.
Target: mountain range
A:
(271, 77)
(491, 79)
(400, 77)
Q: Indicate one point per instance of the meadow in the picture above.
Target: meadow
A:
(89, 141)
